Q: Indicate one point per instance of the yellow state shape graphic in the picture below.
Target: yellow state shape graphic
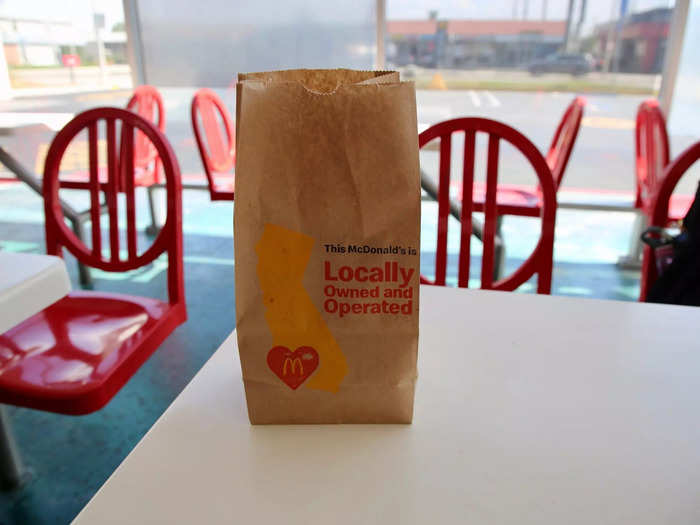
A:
(293, 319)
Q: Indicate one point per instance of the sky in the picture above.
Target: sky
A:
(79, 12)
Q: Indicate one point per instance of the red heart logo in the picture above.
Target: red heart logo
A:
(292, 367)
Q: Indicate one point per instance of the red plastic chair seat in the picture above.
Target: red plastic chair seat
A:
(223, 188)
(514, 199)
(144, 177)
(679, 206)
(75, 355)
(81, 179)
(511, 199)
(526, 201)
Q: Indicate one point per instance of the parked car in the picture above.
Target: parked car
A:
(574, 64)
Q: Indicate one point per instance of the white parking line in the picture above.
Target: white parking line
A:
(475, 98)
(494, 101)
(434, 113)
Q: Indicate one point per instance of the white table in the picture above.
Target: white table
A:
(529, 410)
(28, 284)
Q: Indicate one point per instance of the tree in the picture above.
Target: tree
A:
(119, 27)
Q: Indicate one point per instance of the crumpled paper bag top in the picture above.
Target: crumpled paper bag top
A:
(323, 80)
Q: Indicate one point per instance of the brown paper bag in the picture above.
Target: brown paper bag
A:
(326, 228)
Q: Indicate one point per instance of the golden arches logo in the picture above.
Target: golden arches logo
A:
(291, 364)
(293, 368)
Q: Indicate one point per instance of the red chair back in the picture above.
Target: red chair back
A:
(564, 139)
(659, 210)
(652, 152)
(169, 240)
(540, 261)
(216, 148)
(147, 103)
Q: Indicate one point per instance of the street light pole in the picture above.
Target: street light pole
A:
(569, 18)
(579, 24)
(98, 20)
(610, 40)
(619, 27)
(381, 34)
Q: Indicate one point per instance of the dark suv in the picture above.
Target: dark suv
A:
(574, 64)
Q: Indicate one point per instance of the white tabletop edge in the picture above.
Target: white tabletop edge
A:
(32, 283)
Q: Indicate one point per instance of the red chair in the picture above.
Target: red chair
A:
(652, 156)
(540, 261)
(220, 156)
(75, 355)
(564, 139)
(652, 152)
(148, 103)
(518, 200)
(660, 200)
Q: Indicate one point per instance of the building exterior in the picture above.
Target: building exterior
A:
(36, 42)
(641, 43)
(114, 43)
(43, 42)
(472, 43)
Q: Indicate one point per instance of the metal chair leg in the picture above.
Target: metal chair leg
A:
(153, 229)
(429, 186)
(12, 471)
(499, 251)
(83, 271)
(633, 259)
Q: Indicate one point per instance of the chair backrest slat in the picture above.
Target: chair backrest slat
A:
(128, 137)
(443, 209)
(467, 201)
(113, 188)
(218, 152)
(216, 149)
(652, 152)
(540, 261)
(147, 102)
(95, 211)
(564, 139)
(490, 215)
(120, 163)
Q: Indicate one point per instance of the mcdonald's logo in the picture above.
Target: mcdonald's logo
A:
(291, 365)
(293, 368)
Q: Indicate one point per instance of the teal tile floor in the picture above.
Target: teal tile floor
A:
(70, 457)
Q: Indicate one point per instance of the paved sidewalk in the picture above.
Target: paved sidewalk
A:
(35, 82)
